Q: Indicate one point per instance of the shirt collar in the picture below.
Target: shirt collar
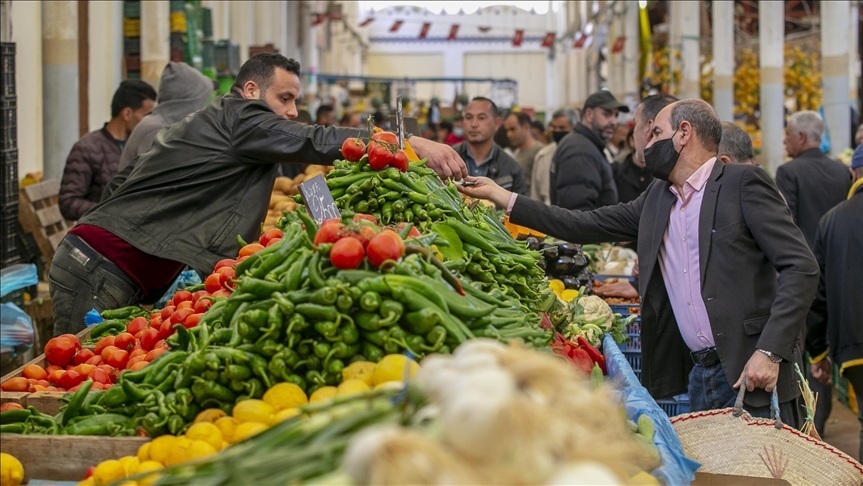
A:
(487, 159)
(696, 182)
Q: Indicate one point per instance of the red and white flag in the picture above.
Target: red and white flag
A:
(518, 37)
(396, 25)
(453, 32)
(367, 21)
(424, 31)
(319, 19)
(581, 41)
(618, 45)
(548, 40)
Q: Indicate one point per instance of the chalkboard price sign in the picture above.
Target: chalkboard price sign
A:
(318, 199)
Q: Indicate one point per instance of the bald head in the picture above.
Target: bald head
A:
(701, 117)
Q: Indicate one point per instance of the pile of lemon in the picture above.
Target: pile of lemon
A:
(213, 430)
(11, 470)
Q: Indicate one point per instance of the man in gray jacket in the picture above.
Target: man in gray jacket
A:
(206, 180)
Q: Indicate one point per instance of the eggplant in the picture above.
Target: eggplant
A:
(568, 249)
(585, 279)
(580, 261)
(550, 252)
(542, 264)
(564, 266)
(569, 282)
(532, 243)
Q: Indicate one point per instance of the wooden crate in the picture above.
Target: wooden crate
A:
(39, 214)
(66, 457)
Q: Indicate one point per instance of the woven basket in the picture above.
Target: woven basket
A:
(746, 446)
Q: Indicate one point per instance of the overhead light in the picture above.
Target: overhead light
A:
(642, 4)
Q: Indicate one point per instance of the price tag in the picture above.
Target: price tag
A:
(319, 201)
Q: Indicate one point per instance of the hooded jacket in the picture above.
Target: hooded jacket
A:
(581, 177)
(182, 90)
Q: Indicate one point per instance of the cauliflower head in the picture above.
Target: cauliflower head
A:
(592, 309)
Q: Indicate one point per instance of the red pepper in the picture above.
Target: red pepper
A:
(594, 353)
(582, 360)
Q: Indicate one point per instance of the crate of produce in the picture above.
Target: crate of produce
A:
(633, 335)
(131, 27)
(132, 9)
(133, 62)
(66, 457)
(207, 22)
(9, 173)
(227, 57)
(177, 6)
(9, 128)
(131, 45)
(7, 69)
(675, 405)
(634, 360)
(178, 21)
(9, 239)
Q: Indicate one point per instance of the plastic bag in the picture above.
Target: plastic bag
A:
(16, 330)
(17, 276)
(187, 278)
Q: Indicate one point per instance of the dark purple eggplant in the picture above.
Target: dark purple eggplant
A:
(532, 243)
(569, 282)
(542, 264)
(579, 262)
(564, 266)
(585, 279)
(568, 249)
(550, 252)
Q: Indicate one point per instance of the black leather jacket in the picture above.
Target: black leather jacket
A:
(208, 178)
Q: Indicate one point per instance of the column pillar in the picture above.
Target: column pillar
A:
(28, 86)
(690, 49)
(106, 59)
(834, 69)
(59, 83)
(290, 21)
(241, 27)
(854, 73)
(155, 40)
(723, 59)
(673, 20)
(631, 52)
(771, 33)
(615, 59)
(309, 49)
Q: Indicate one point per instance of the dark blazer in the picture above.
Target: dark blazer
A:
(746, 236)
(812, 183)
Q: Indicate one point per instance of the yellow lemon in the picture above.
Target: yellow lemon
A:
(390, 385)
(206, 432)
(210, 415)
(11, 470)
(201, 448)
(350, 387)
(86, 482)
(144, 452)
(323, 393)
(286, 414)
(161, 447)
(395, 367)
(285, 395)
(130, 464)
(108, 471)
(148, 466)
(227, 426)
(556, 286)
(248, 429)
(179, 451)
(253, 410)
(359, 370)
(569, 294)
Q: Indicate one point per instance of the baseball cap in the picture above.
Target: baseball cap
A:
(604, 99)
(857, 158)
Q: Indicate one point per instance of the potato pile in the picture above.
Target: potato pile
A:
(281, 201)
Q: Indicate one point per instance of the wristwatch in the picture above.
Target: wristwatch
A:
(773, 357)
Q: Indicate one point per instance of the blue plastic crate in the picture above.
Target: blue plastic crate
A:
(625, 310)
(634, 360)
(675, 405)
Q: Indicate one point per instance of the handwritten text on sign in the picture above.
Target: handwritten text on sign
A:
(318, 199)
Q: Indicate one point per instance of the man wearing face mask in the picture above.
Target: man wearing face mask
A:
(562, 123)
(206, 180)
(581, 176)
(711, 239)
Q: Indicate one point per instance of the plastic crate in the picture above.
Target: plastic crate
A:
(178, 41)
(227, 57)
(8, 124)
(15, 297)
(178, 22)
(10, 240)
(133, 62)
(625, 309)
(132, 9)
(675, 405)
(9, 195)
(178, 6)
(131, 45)
(177, 55)
(634, 360)
(132, 27)
(7, 69)
(207, 22)
(208, 55)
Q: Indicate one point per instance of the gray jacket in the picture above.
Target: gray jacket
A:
(208, 179)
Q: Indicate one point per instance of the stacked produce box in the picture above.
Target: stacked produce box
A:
(132, 38)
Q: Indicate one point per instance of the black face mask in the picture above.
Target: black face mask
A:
(558, 136)
(661, 157)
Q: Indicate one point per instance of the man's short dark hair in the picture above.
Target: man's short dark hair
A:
(735, 143)
(522, 118)
(260, 68)
(494, 111)
(570, 114)
(703, 119)
(346, 118)
(323, 110)
(447, 125)
(303, 116)
(653, 104)
(131, 94)
(538, 125)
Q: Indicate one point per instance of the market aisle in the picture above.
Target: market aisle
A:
(843, 432)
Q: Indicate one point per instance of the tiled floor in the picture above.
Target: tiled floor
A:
(843, 430)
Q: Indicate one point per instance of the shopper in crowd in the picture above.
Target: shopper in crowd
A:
(520, 136)
(95, 158)
(704, 321)
(537, 129)
(834, 321)
(456, 135)
(617, 147)
(350, 120)
(736, 146)
(206, 180)
(325, 116)
(481, 154)
(812, 183)
(444, 130)
(581, 177)
(562, 123)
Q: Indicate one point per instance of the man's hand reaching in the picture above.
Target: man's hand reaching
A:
(485, 188)
(440, 157)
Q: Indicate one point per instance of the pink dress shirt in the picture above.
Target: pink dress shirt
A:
(680, 261)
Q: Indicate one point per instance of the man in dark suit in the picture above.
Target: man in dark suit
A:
(711, 239)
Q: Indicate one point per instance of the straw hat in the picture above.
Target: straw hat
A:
(747, 446)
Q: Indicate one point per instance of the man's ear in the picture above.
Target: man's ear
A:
(126, 113)
(251, 90)
(685, 130)
(725, 158)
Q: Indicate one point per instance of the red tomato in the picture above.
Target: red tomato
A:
(347, 253)
(106, 351)
(222, 293)
(353, 149)
(35, 372)
(330, 232)
(84, 369)
(365, 234)
(166, 330)
(197, 295)
(413, 233)
(112, 373)
(213, 282)
(54, 376)
(136, 325)
(99, 375)
(97, 386)
(365, 217)
(156, 321)
(71, 379)
(270, 234)
(124, 341)
(136, 359)
(49, 369)
(273, 242)
(155, 353)
(11, 406)
(95, 360)
(227, 276)
(192, 320)
(400, 161)
(138, 352)
(227, 262)
(203, 304)
(138, 365)
(181, 296)
(167, 311)
(387, 137)
(186, 304)
(61, 350)
(180, 316)
(250, 249)
(17, 384)
(103, 343)
(380, 156)
(72, 338)
(118, 358)
(385, 246)
(83, 356)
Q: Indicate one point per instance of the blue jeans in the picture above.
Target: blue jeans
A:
(81, 279)
(709, 389)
